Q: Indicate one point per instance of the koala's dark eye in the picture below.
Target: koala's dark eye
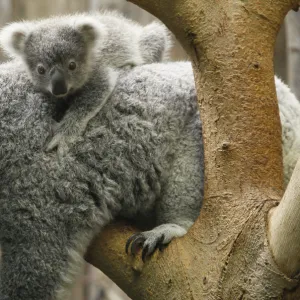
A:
(72, 66)
(41, 70)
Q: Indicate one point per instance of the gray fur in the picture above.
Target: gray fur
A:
(141, 153)
(98, 44)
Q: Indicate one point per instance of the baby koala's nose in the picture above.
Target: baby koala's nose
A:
(59, 85)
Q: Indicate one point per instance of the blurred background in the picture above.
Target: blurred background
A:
(92, 284)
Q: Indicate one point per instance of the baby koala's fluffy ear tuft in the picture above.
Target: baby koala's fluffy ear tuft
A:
(90, 30)
(155, 43)
(13, 37)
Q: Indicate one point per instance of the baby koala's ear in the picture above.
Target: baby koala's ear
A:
(13, 37)
(155, 43)
(91, 30)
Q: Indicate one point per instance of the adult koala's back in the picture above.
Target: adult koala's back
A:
(135, 152)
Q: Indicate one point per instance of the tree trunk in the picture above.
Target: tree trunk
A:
(293, 50)
(226, 254)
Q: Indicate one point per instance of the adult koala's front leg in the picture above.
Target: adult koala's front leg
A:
(179, 205)
(40, 264)
(83, 108)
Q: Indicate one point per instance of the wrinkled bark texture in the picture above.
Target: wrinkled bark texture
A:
(226, 254)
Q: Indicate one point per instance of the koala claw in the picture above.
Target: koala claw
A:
(148, 242)
(158, 237)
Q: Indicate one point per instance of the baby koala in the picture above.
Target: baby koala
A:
(69, 54)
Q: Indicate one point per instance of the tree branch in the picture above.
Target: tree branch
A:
(284, 227)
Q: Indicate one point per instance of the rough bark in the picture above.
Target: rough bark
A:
(293, 50)
(226, 254)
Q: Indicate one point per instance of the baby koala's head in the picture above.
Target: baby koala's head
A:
(59, 52)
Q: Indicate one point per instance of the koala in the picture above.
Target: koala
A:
(141, 157)
(74, 54)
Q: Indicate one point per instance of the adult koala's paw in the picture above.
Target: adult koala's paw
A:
(150, 240)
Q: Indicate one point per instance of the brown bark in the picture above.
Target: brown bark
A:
(226, 254)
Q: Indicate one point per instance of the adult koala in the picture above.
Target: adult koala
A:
(142, 152)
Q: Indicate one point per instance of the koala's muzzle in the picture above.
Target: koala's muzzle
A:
(58, 82)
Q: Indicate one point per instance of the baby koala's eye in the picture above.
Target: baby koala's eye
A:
(72, 65)
(41, 70)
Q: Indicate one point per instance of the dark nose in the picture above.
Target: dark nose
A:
(59, 86)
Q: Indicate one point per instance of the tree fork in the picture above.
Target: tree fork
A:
(226, 254)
